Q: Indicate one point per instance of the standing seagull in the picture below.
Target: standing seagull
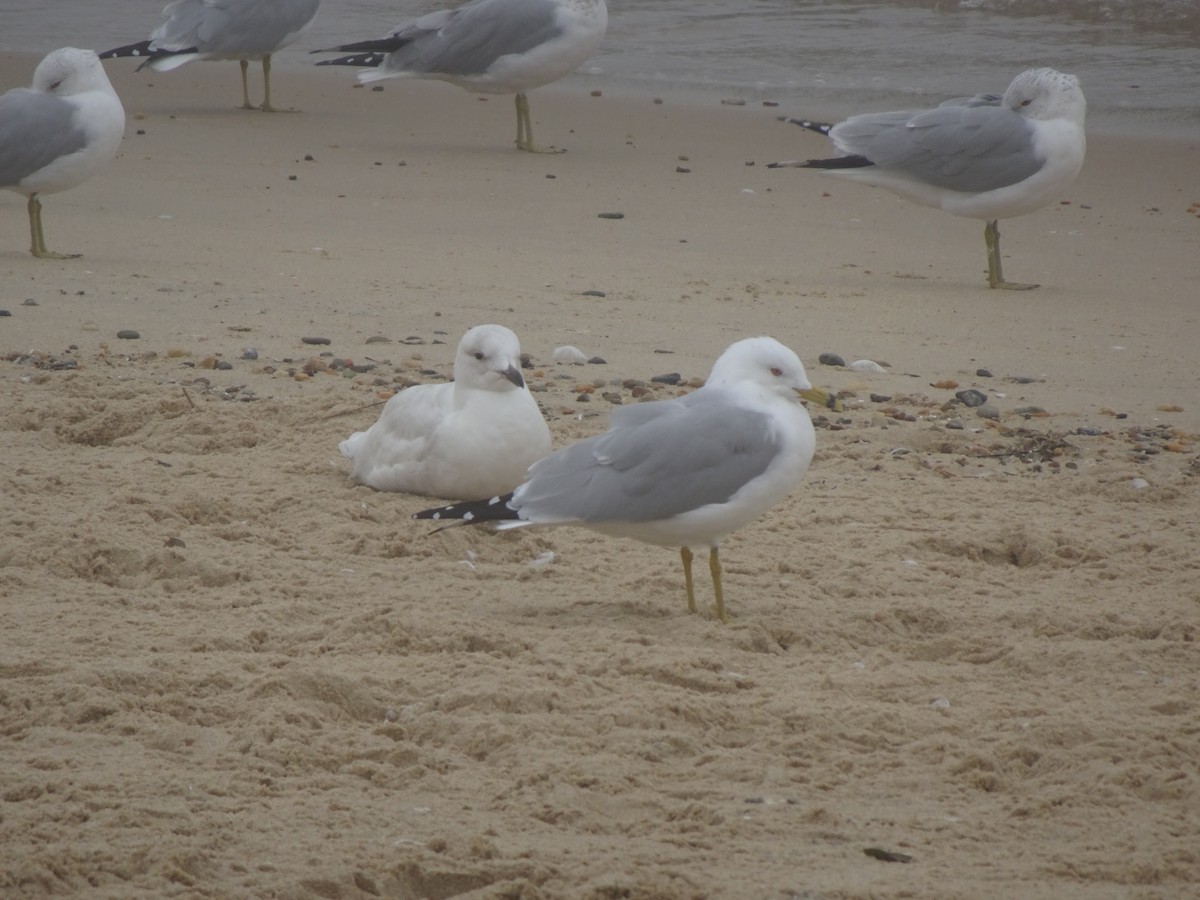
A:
(680, 473)
(488, 46)
(58, 133)
(473, 437)
(984, 157)
(224, 29)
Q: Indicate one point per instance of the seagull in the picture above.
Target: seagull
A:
(224, 29)
(487, 46)
(682, 472)
(58, 133)
(473, 437)
(986, 157)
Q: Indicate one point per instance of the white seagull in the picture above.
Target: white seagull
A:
(59, 132)
(487, 46)
(680, 473)
(472, 437)
(985, 157)
(224, 29)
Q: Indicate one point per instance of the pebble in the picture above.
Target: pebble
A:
(1089, 430)
(989, 411)
(983, 373)
(971, 397)
(830, 359)
(597, 361)
(128, 334)
(378, 339)
(611, 215)
(955, 425)
(683, 170)
(29, 301)
(4, 312)
(593, 294)
(1024, 379)
(669, 378)
(223, 365)
(250, 353)
(315, 340)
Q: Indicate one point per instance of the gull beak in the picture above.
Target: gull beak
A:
(821, 398)
(513, 374)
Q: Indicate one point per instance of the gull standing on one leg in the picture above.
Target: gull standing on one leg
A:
(58, 133)
(224, 29)
(985, 157)
(680, 473)
(487, 46)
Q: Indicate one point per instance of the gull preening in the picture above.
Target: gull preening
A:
(987, 157)
(224, 29)
(473, 437)
(682, 472)
(489, 47)
(59, 132)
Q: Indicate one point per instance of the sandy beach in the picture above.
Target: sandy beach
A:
(962, 657)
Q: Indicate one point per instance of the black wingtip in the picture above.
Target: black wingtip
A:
(818, 127)
(361, 60)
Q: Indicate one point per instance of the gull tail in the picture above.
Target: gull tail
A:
(151, 54)
(818, 127)
(358, 59)
(472, 512)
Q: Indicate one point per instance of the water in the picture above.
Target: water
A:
(1139, 59)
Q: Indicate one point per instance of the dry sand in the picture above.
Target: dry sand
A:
(227, 671)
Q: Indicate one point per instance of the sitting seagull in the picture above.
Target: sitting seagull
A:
(984, 157)
(224, 29)
(488, 46)
(472, 437)
(59, 132)
(680, 473)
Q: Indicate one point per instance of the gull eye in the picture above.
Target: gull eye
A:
(776, 371)
(479, 356)
(1026, 102)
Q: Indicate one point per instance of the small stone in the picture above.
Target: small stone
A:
(1089, 431)
(4, 312)
(611, 215)
(174, 542)
(378, 339)
(315, 340)
(669, 378)
(29, 301)
(612, 397)
(971, 397)
(733, 101)
(223, 365)
(597, 361)
(831, 359)
(880, 398)
(593, 294)
(250, 353)
(955, 425)
(988, 411)
(983, 373)
(292, 178)
(1023, 379)
(584, 397)
(683, 170)
(128, 334)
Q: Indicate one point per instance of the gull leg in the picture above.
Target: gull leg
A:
(37, 239)
(685, 554)
(714, 566)
(991, 237)
(246, 104)
(525, 128)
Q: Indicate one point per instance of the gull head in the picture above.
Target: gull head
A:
(1044, 94)
(489, 359)
(68, 71)
(763, 364)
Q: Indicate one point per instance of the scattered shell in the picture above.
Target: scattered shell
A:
(568, 355)
(867, 365)
(542, 560)
(1139, 484)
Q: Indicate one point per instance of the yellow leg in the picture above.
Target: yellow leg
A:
(991, 237)
(37, 240)
(714, 566)
(525, 129)
(686, 555)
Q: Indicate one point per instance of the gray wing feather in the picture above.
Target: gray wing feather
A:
(468, 40)
(967, 146)
(664, 459)
(35, 130)
(231, 26)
